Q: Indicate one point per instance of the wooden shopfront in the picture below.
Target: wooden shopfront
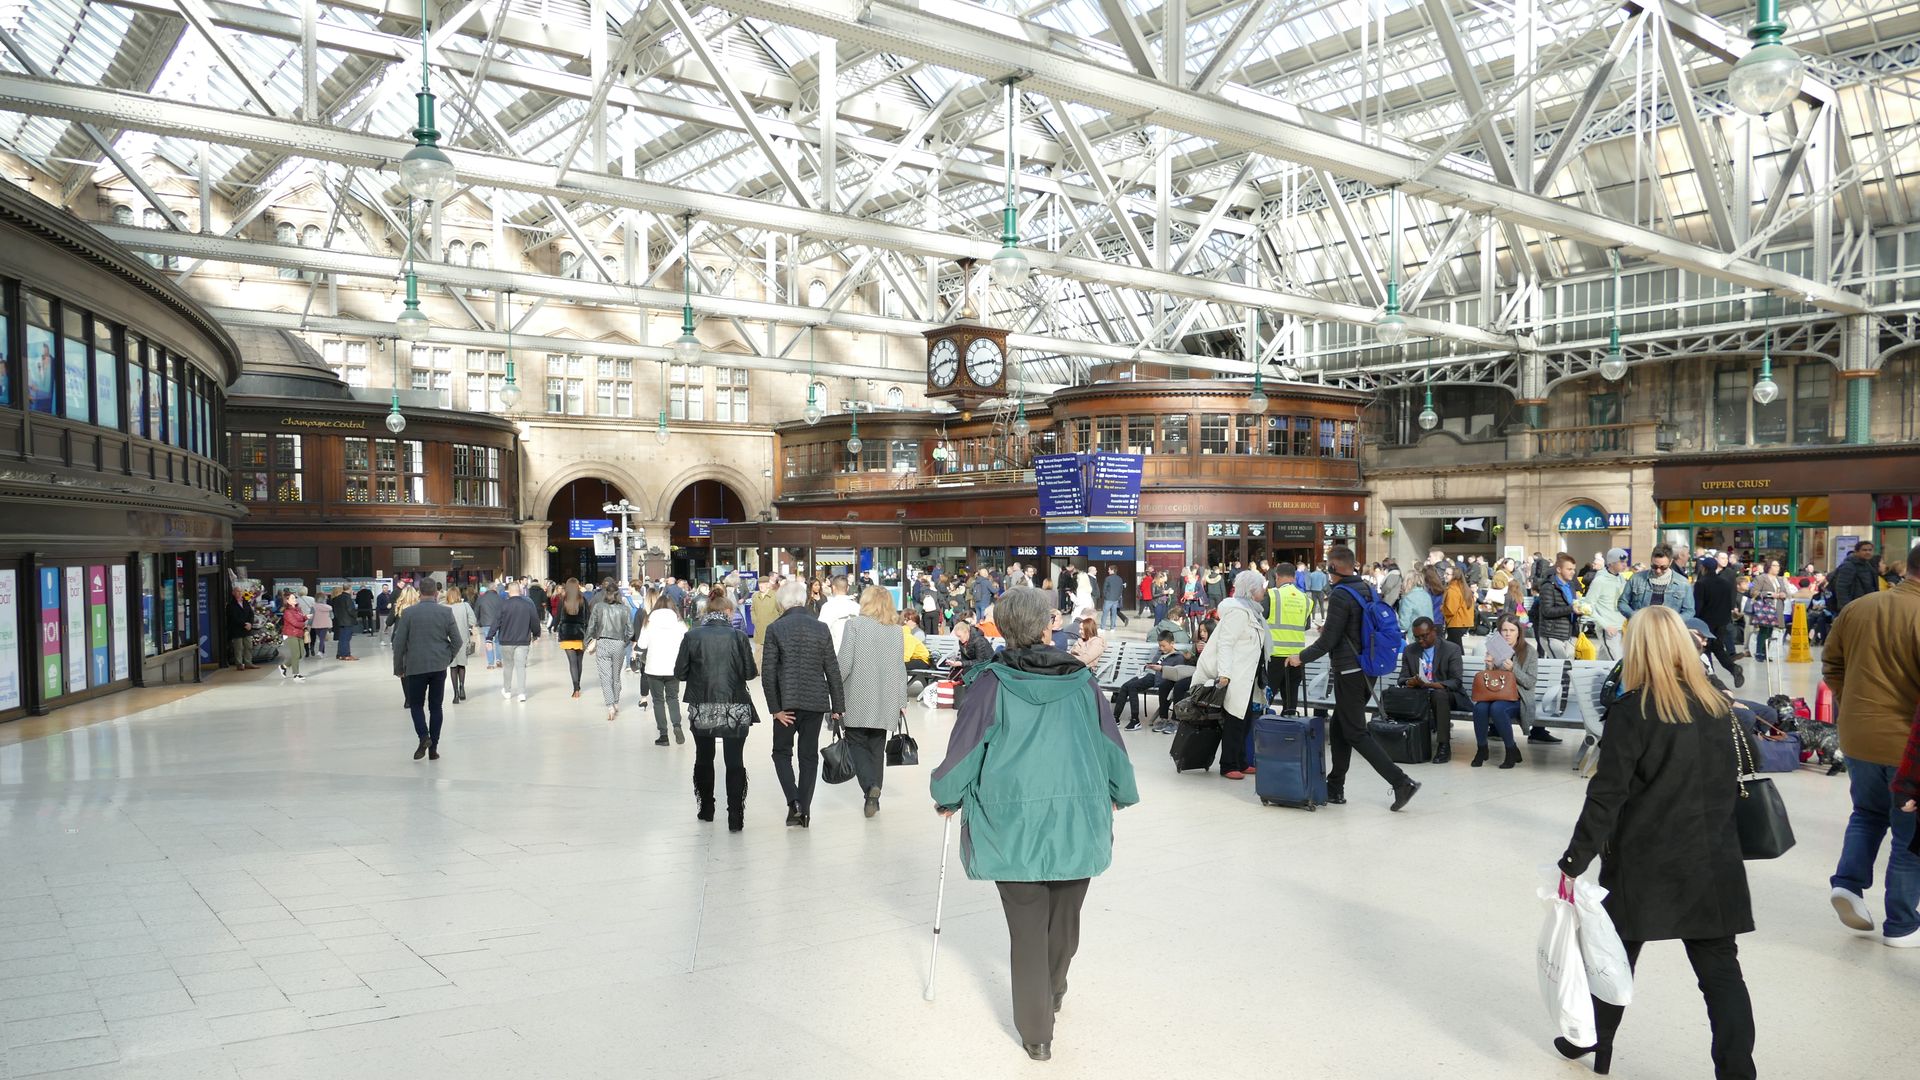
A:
(1792, 505)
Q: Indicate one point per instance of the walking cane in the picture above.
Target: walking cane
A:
(940, 901)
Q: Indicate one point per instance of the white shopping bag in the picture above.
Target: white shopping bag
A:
(1609, 975)
(1563, 972)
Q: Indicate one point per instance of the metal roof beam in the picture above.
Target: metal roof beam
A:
(946, 32)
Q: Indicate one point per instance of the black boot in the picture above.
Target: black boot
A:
(1444, 754)
(705, 799)
(793, 813)
(736, 800)
(1479, 756)
(421, 751)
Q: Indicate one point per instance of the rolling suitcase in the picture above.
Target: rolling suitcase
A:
(1290, 759)
(1194, 747)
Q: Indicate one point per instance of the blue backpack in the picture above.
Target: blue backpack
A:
(1380, 637)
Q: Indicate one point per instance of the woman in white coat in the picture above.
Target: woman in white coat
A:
(1083, 591)
(660, 640)
(1233, 659)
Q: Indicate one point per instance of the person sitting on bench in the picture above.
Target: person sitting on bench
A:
(1152, 677)
(1432, 663)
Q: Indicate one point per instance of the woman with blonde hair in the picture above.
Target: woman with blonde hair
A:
(874, 675)
(1661, 809)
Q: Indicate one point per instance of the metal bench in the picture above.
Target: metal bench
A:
(1123, 662)
(1562, 696)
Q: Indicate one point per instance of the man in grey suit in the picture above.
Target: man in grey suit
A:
(1434, 664)
(425, 640)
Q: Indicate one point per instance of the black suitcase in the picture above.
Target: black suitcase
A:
(1407, 742)
(1194, 747)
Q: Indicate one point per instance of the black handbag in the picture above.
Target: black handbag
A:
(836, 759)
(1760, 814)
(901, 749)
(1201, 708)
(637, 661)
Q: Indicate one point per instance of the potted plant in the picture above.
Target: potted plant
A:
(1498, 528)
(1387, 533)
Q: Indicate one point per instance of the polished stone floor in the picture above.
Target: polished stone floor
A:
(258, 881)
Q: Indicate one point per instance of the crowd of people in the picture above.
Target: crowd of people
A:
(1037, 761)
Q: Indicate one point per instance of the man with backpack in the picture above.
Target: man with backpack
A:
(1362, 638)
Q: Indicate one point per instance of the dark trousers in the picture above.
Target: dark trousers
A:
(869, 746)
(317, 640)
(1499, 716)
(1128, 696)
(665, 692)
(1287, 679)
(1347, 735)
(424, 695)
(575, 658)
(1170, 695)
(1458, 635)
(1716, 964)
(806, 731)
(343, 641)
(1233, 738)
(1721, 646)
(1043, 932)
(734, 750)
(1440, 708)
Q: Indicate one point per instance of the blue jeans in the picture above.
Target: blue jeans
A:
(343, 640)
(1873, 817)
(1500, 716)
(1109, 614)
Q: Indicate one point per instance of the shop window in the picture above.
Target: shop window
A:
(613, 387)
(1303, 436)
(251, 479)
(1107, 434)
(1349, 439)
(1140, 434)
(730, 395)
(906, 455)
(1213, 433)
(476, 476)
(288, 469)
(357, 463)
(1812, 402)
(1173, 434)
(1277, 436)
(686, 391)
(1082, 433)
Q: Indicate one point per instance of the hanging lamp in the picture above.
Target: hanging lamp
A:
(660, 430)
(1768, 77)
(1011, 268)
(396, 423)
(1390, 328)
(427, 171)
(1765, 390)
(686, 347)
(510, 389)
(853, 442)
(412, 323)
(1429, 418)
(814, 411)
(1021, 427)
(1257, 401)
(1614, 367)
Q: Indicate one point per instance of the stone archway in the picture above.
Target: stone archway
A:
(743, 488)
(552, 484)
(567, 552)
(688, 519)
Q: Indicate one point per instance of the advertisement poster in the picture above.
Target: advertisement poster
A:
(79, 374)
(117, 602)
(106, 389)
(136, 398)
(6, 367)
(156, 413)
(76, 628)
(167, 640)
(50, 630)
(97, 625)
(203, 615)
(40, 370)
(9, 641)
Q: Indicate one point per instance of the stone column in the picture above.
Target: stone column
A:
(533, 548)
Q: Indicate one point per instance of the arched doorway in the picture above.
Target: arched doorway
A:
(698, 507)
(576, 515)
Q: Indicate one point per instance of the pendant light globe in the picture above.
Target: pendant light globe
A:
(1614, 367)
(1011, 268)
(1766, 79)
(1390, 329)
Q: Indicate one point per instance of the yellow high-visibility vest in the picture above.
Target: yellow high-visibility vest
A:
(1287, 612)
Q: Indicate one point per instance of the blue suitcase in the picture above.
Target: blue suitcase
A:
(1290, 760)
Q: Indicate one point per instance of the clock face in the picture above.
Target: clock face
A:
(943, 362)
(985, 365)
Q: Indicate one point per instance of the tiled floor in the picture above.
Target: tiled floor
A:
(258, 881)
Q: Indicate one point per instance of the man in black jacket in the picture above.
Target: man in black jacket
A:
(425, 641)
(515, 629)
(345, 622)
(1434, 664)
(1340, 641)
(1554, 621)
(1853, 578)
(1713, 604)
(801, 678)
(240, 630)
(363, 608)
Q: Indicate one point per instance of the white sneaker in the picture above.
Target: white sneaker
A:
(506, 693)
(1852, 909)
(523, 697)
(1908, 940)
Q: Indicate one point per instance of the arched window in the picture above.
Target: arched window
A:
(820, 397)
(816, 293)
(896, 398)
(310, 236)
(477, 255)
(612, 265)
(456, 254)
(123, 215)
(283, 233)
(567, 260)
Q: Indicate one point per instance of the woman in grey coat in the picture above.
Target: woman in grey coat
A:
(609, 634)
(464, 621)
(873, 669)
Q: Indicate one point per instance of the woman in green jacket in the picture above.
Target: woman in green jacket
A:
(1037, 763)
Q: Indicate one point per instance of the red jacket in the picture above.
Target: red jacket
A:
(1906, 782)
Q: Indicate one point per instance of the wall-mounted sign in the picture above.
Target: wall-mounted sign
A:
(320, 422)
(1582, 517)
(1060, 484)
(1735, 485)
(1113, 484)
(585, 528)
(1338, 530)
(698, 527)
(930, 536)
(1178, 547)
(1223, 530)
(1619, 521)
(1293, 532)
(1028, 551)
(1110, 554)
(1064, 551)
